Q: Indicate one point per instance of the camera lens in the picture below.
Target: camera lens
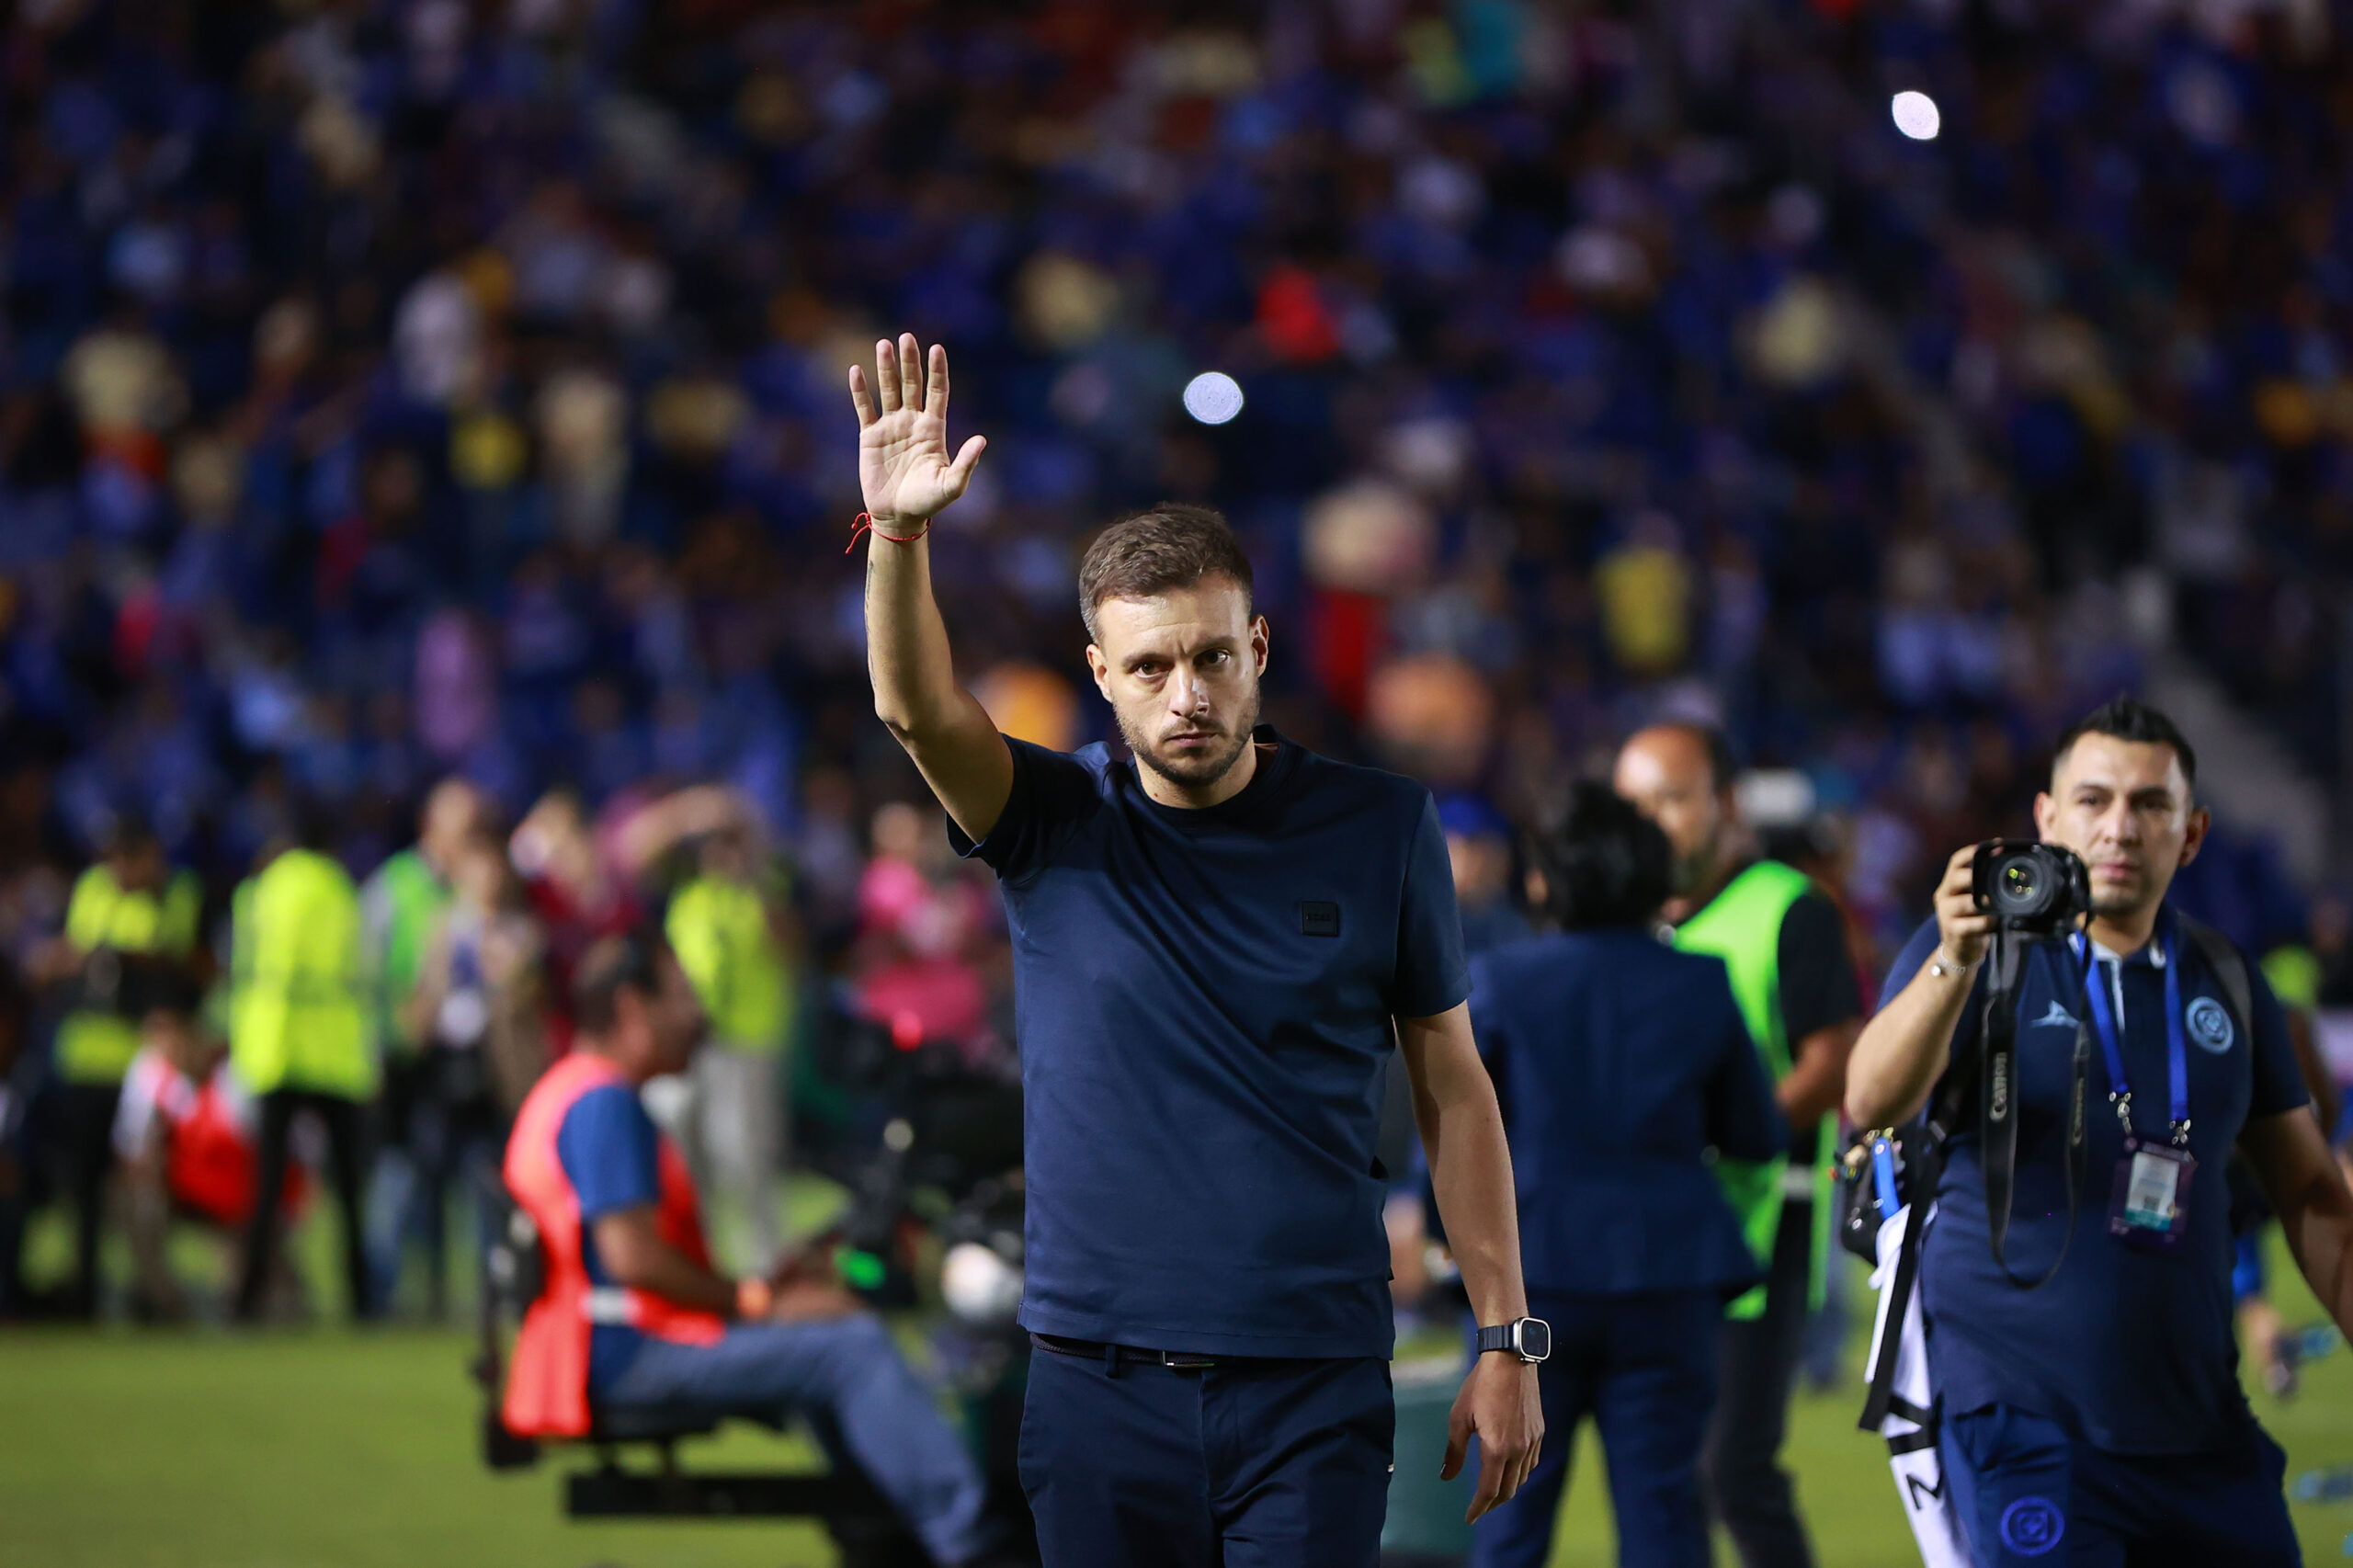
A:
(2033, 888)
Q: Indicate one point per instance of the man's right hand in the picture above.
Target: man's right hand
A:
(1908, 1042)
(903, 462)
(809, 1300)
(1963, 929)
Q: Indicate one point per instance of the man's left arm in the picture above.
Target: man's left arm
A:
(1462, 1133)
(1817, 1076)
(2315, 1207)
(2284, 1143)
(1822, 1009)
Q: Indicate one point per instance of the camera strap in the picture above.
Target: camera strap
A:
(1998, 1122)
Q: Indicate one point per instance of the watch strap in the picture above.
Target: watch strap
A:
(1499, 1337)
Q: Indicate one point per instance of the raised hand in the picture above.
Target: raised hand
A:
(903, 462)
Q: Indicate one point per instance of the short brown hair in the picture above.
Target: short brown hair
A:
(1169, 546)
(630, 962)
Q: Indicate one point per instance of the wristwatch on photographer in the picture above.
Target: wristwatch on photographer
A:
(1530, 1340)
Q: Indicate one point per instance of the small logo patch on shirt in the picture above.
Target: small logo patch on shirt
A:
(2033, 1526)
(2210, 1025)
(1318, 917)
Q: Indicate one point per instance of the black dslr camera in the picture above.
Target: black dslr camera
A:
(2033, 888)
(2034, 892)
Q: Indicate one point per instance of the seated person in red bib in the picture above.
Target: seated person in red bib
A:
(631, 1314)
(184, 1131)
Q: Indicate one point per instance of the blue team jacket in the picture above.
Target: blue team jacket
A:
(1621, 1063)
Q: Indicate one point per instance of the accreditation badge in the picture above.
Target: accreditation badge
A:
(2151, 1210)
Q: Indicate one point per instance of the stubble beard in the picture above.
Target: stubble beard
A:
(1691, 873)
(2125, 903)
(2121, 906)
(1196, 773)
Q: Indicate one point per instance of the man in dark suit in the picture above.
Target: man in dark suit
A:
(1620, 1063)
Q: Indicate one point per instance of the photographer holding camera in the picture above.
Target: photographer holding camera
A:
(2086, 1383)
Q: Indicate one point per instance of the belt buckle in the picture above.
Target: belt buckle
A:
(1177, 1361)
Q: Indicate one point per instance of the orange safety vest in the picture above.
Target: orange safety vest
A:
(547, 1387)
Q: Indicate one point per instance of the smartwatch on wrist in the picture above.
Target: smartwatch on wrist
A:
(1530, 1340)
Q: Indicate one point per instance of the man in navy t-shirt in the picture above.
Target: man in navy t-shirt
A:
(1216, 941)
(2098, 1418)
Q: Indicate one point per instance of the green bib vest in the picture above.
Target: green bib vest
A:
(95, 1046)
(1742, 925)
(400, 907)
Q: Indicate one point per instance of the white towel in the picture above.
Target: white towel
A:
(1910, 1425)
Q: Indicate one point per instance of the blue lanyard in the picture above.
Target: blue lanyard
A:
(2104, 1024)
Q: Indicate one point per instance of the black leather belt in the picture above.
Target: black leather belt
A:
(1123, 1355)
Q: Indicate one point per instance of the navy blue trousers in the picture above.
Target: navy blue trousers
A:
(1246, 1465)
(1643, 1367)
(2030, 1497)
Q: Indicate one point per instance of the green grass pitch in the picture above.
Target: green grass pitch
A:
(326, 1448)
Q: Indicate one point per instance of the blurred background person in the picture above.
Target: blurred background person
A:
(185, 1135)
(1624, 1068)
(476, 1007)
(733, 929)
(1478, 843)
(633, 1314)
(578, 887)
(921, 922)
(15, 1010)
(402, 904)
(1784, 946)
(299, 1039)
(132, 920)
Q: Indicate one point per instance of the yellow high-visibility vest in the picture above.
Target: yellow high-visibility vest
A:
(96, 1047)
(298, 1016)
(720, 931)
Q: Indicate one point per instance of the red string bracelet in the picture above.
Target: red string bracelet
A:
(865, 524)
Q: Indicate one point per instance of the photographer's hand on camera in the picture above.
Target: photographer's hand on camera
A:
(1904, 1049)
(1962, 928)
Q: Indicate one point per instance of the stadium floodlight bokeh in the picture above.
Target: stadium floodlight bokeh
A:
(1917, 115)
(1213, 397)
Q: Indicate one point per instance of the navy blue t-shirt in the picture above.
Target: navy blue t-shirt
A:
(2130, 1351)
(1203, 1002)
(611, 1153)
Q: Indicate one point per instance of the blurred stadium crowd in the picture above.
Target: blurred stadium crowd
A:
(393, 392)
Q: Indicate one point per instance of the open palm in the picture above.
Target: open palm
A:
(903, 462)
